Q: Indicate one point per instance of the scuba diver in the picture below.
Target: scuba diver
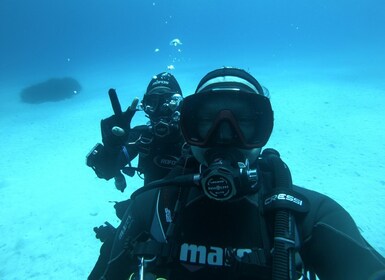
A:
(158, 143)
(229, 210)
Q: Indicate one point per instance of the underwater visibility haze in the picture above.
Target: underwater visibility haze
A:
(323, 62)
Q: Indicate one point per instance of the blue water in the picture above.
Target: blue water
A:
(323, 62)
(68, 37)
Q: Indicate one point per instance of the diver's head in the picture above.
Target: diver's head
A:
(162, 102)
(229, 117)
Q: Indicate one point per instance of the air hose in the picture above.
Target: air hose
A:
(182, 179)
(284, 223)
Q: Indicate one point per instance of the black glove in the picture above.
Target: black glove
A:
(106, 161)
(115, 128)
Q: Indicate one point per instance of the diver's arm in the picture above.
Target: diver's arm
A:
(333, 246)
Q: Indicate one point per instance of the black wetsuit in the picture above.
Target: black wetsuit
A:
(157, 155)
(206, 233)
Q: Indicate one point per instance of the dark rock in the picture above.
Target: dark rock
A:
(52, 90)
